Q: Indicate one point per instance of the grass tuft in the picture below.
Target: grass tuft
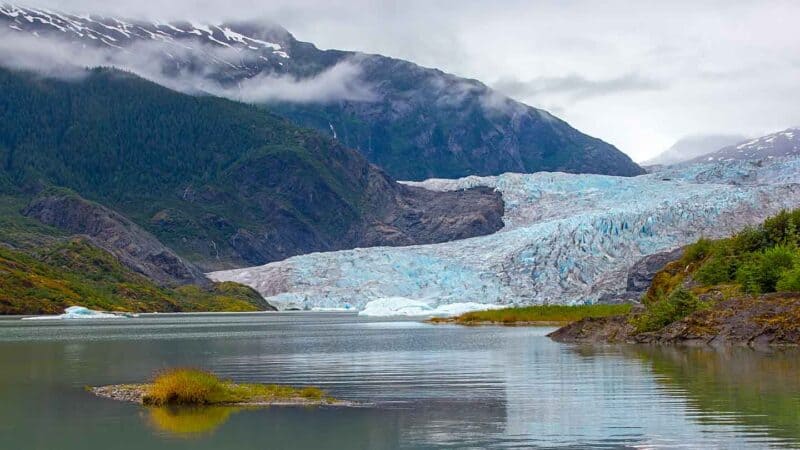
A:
(197, 387)
(541, 313)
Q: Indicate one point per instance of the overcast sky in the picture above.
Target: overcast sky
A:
(638, 74)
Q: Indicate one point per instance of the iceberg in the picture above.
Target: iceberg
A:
(77, 312)
(400, 306)
(568, 239)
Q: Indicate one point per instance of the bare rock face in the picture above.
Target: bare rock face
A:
(641, 275)
(771, 320)
(420, 216)
(136, 248)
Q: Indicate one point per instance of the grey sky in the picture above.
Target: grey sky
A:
(639, 74)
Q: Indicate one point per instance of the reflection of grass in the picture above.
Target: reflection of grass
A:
(762, 390)
(187, 421)
(542, 313)
(197, 387)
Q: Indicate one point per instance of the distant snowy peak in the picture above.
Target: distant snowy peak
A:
(777, 145)
(693, 146)
(115, 33)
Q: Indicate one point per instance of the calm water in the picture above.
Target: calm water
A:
(431, 386)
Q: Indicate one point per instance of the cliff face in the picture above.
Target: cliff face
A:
(134, 247)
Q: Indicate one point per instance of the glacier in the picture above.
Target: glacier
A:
(568, 239)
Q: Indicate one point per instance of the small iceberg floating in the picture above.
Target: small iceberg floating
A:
(407, 307)
(80, 312)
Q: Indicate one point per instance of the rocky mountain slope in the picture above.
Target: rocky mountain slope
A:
(220, 183)
(776, 145)
(568, 239)
(134, 247)
(414, 122)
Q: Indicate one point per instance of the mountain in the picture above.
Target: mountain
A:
(220, 183)
(414, 122)
(569, 239)
(776, 145)
(48, 279)
(691, 147)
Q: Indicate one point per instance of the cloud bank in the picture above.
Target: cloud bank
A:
(167, 64)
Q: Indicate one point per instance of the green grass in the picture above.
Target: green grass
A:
(543, 313)
(198, 387)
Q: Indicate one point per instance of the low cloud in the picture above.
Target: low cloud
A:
(174, 65)
(340, 82)
(576, 87)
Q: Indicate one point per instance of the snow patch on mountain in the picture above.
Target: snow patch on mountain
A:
(782, 144)
(569, 239)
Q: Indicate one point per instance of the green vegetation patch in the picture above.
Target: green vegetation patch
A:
(198, 387)
(540, 314)
(46, 280)
(757, 260)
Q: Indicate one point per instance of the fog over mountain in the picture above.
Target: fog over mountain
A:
(640, 75)
(691, 147)
(412, 121)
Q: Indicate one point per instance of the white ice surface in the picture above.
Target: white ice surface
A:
(568, 239)
(400, 306)
(77, 312)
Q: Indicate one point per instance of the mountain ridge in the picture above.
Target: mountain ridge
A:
(414, 122)
(221, 183)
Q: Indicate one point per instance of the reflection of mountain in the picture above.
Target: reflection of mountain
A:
(758, 391)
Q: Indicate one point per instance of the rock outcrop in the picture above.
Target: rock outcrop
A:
(641, 275)
(134, 247)
(754, 321)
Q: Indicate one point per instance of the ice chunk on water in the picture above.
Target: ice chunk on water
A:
(77, 312)
(401, 306)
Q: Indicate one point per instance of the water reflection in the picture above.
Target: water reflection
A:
(735, 385)
(431, 386)
(188, 422)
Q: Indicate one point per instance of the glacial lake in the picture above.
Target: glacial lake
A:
(428, 386)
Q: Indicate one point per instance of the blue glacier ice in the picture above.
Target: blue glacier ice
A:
(568, 239)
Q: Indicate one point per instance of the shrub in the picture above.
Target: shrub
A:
(749, 240)
(782, 228)
(659, 314)
(698, 251)
(718, 269)
(789, 281)
(760, 274)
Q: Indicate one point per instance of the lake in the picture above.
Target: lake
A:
(427, 386)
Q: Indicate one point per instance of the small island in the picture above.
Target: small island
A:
(193, 387)
(537, 315)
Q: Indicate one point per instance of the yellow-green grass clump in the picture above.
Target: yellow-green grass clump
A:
(540, 314)
(198, 387)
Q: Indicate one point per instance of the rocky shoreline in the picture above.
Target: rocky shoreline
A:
(771, 320)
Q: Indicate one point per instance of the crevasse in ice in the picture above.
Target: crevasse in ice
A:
(568, 239)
